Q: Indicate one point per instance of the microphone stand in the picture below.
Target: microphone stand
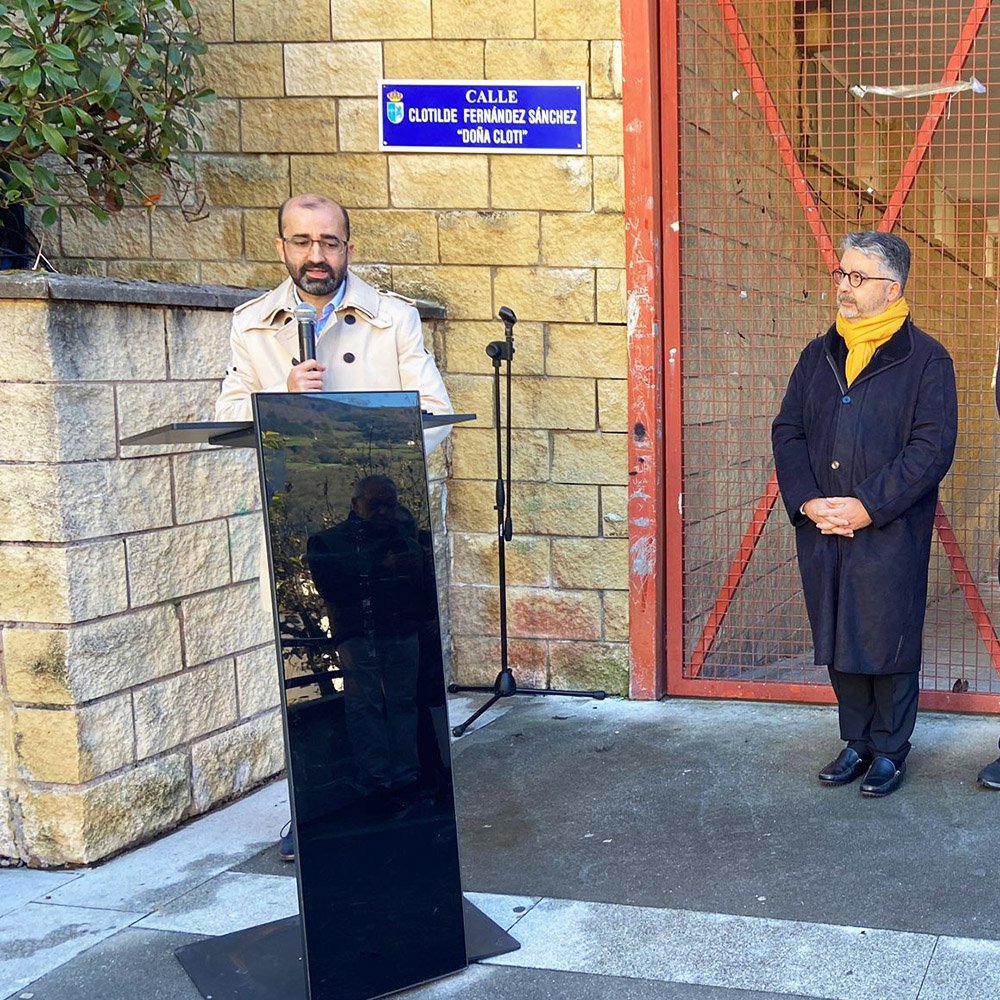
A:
(505, 685)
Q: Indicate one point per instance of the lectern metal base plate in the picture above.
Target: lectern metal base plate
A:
(483, 937)
(265, 962)
(259, 963)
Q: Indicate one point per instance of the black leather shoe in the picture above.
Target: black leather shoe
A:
(286, 843)
(883, 777)
(989, 776)
(846, 768)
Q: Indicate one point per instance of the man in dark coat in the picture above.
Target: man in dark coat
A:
(865, 434)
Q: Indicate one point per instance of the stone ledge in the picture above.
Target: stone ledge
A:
(81, 288)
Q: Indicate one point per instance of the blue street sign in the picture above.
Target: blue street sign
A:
(483, 116)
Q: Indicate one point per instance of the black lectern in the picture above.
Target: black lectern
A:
(354, 599)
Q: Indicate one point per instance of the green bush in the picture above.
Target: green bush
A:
(110, 88)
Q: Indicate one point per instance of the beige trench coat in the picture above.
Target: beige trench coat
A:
(380, 331)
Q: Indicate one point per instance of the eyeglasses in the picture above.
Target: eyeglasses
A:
(856, 278)
(329, 244)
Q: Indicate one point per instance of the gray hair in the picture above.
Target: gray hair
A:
(892, 250)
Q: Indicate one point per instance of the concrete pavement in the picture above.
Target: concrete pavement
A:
(673, 851)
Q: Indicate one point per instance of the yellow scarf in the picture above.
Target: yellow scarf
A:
(864, 336)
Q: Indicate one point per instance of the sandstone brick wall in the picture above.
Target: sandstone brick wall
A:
(544, 235)
(135, 684)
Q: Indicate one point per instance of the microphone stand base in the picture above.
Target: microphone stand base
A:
(506, 687)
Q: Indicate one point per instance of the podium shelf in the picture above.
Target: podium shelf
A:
(234, 433)
(240, 434)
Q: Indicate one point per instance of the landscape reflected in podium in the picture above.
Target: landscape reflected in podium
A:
(369, 759)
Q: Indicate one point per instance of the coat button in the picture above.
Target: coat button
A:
(835, 465)
(846, 399)
(350, 319)
(349, 358)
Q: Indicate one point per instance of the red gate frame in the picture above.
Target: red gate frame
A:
(644, 135)
(648, 644)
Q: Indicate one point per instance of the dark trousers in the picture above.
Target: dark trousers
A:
(877, 712)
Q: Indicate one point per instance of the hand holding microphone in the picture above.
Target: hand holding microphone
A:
(307, 376)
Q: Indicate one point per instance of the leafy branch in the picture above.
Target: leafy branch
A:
(109, 88)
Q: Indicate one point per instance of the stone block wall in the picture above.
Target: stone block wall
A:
(137, 682)
(545, 235)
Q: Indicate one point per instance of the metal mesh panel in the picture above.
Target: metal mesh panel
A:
(786, 144)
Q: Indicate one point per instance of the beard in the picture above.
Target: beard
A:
(317, 286)
(850, 309)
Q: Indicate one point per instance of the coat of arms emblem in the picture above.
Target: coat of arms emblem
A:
(394, 107)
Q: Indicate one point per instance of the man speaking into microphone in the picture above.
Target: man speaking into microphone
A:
(366, 340)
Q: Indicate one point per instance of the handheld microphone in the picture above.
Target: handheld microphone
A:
(305, 314)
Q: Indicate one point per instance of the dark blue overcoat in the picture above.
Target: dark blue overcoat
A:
(888, 440)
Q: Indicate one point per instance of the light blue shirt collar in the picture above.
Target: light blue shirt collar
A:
(328, 309)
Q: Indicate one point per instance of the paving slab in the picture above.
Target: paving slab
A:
(265, 862)
(714, 949)
(714, 806)
(130, 965)
(19, 886)
(138, 963)
(505, 911)
(150, 877)
(963, 968)
(483, 982)
(226, 903)
(41, 937)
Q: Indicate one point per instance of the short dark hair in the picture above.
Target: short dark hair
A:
(374, 484)
(314, 201)
(892, 250)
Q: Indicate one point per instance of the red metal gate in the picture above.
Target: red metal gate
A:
(797, 121)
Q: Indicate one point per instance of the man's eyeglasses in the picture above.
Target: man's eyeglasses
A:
(856, 278)
(329, 244)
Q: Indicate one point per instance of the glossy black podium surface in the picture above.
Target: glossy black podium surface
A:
(354, 599)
